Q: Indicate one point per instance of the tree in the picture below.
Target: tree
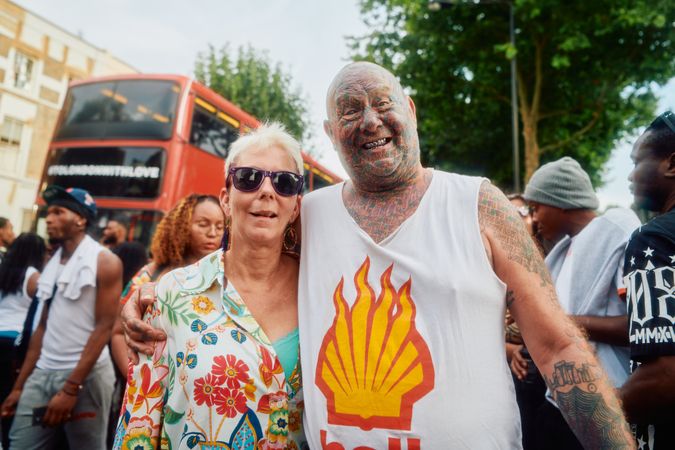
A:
(587, 71)
(256, 85)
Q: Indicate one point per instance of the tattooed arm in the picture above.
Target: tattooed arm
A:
(577, 382)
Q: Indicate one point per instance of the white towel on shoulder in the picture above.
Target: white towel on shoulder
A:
(79, 271)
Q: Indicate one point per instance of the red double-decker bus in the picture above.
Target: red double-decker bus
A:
(139, 143)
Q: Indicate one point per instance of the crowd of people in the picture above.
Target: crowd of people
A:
(425, 308)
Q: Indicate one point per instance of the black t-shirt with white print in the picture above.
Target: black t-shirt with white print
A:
(649, 276)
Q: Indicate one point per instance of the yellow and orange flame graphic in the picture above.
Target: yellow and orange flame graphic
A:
(373, 364)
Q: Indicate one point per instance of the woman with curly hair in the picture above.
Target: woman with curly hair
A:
(191, 230)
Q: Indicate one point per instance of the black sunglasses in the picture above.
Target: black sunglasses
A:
(669, 119)
(249, 179)
(524, 210)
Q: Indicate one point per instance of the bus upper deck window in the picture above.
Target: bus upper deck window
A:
(132, 109)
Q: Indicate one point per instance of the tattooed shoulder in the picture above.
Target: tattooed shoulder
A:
(499, 220)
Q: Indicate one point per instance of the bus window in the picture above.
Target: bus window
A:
(210, 132)
(314, 179)
(132, 109)
(125, 172)
(318, 182)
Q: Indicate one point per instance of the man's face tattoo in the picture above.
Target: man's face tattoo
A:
(373, 127)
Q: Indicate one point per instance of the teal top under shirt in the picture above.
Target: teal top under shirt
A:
(287, 351)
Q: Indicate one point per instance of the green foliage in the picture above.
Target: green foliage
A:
(255, 84)
(177, 307)
(172, 374)
(594, 64)
(172, 417)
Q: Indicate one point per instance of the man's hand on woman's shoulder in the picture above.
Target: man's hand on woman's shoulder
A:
(139, 336)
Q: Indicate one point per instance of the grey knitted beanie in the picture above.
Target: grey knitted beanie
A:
(563, 184)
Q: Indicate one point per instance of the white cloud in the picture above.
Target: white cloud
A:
(164, 36)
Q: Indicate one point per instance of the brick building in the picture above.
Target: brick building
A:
(37, 61)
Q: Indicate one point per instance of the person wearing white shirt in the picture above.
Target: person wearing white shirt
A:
(19, 273)
(66, 380)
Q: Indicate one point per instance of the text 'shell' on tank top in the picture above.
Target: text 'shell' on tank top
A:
(402, 342)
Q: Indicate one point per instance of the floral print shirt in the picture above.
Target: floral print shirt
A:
(216, 382)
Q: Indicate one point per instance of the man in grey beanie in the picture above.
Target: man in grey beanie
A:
(587, 269)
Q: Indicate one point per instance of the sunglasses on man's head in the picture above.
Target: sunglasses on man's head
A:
(669, 119)
(524, 210)
(249, 179)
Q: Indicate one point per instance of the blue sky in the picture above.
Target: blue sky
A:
(306, 36)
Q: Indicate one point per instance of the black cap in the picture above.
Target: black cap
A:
(76, 199)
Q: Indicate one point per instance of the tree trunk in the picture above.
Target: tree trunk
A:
(530, 110)
(531, 147)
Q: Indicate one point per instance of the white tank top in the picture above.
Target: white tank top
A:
(402, 342)
(14, 306)
(72, 314)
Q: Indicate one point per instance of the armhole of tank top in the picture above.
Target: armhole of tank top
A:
(476, 227)
(29, 273)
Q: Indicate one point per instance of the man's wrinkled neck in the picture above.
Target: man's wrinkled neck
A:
(390, 186)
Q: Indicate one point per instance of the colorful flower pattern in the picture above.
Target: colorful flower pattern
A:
(235, 372)
(202, 304)
(206, 389)
(216, 382)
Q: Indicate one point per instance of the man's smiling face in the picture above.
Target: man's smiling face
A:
(372, 125)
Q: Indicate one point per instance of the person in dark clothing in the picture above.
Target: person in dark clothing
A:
(649, 274)
(114, 233)
(19, 272)
(134, 256)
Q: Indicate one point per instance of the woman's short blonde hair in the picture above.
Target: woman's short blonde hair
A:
(267, 135)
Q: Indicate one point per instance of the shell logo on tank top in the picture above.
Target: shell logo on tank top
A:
(373, 364)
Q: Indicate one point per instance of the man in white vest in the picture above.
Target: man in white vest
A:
(404, 278)
(67, 378)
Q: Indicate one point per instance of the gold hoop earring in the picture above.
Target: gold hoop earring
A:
(227, 235)
(290, 239)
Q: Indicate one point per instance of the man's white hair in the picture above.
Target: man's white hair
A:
(266, 136)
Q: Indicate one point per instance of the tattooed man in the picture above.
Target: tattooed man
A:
(404, 278)
(649, 267)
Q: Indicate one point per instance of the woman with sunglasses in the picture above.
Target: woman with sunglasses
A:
(228, 374)
(192, 229)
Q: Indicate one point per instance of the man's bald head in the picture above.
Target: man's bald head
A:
(373, 127)
(353, 73)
